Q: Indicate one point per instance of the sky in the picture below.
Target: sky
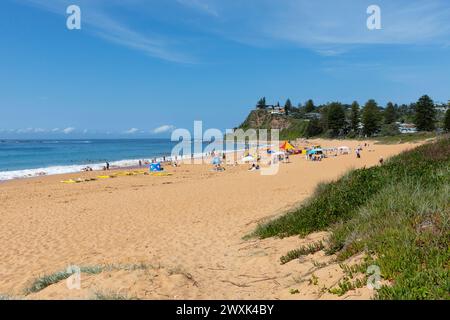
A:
(140, 68)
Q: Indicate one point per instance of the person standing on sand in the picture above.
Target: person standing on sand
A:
(107, 165)
(358, 153)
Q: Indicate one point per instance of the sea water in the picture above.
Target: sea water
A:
(30, 158)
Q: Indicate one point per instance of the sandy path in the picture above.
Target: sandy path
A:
(188, 227)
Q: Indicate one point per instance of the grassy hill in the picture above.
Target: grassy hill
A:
(290, 128)
(397, 214)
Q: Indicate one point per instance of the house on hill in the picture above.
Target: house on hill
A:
(406, 127)
(273, 109)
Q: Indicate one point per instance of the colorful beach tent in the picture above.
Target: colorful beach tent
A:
(286, 146)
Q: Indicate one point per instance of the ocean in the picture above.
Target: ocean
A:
(28, 158)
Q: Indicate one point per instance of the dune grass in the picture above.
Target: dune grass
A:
(44, 281)
(302, 251)
(397, 213)
(404, 138)
(112, 296)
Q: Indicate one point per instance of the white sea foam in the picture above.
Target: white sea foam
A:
(30, 173)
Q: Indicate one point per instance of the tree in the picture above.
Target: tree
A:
(261, 103)
(335, 118)
(425, 114)
(313, 128)
(447, 121)
(390, 115)
(309, 106)
(288, 106)
(371, 118)
(354, 117)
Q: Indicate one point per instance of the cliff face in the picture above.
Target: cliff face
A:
(261, 119)
(290, 128)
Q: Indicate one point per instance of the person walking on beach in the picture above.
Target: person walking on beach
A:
(107, 165)
(358, 153)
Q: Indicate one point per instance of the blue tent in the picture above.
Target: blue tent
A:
(314, 151)
(216, 161)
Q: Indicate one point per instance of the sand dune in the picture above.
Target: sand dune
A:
(185, 231)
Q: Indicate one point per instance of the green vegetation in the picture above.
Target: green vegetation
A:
(447, 121)
(354, 117)
(397, 213)
(371, 118)
(295, 130)
(405, 138)
(112, 296)
(47, 280)
(340, 120)
(50, 279)
(302, 251)
(335, 118)
(425, 114)
(390, 115)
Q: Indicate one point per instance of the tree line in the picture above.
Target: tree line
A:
(337, 119)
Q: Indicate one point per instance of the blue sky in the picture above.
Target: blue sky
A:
(138, 66)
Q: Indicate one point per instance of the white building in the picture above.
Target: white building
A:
(406, 127)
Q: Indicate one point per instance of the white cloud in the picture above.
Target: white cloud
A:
(328, 27)
(26, 130)
(68, 130)
(164, 128)
(132, 131)
(99, 21)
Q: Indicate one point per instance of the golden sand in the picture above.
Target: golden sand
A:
(187, 229)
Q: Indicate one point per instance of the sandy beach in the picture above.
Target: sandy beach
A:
(171, 237)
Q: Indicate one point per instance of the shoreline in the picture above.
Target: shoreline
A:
(123, 164)
(187, 228)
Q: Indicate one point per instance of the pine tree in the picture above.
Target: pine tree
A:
(447, 121)
(390, 115)
(261, 103)
(371, 118)
(335, 118)
(425, 114)
(355, 117)
(288, 107)
(313, 128)
(309, 106)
